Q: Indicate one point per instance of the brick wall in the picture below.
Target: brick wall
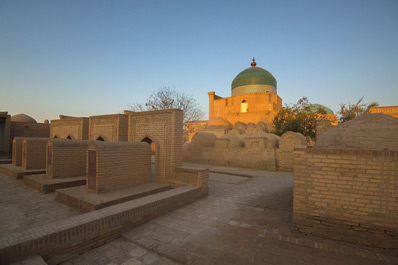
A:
(194, 176)
(109, 127)
(34, 153)
(165, 129)
(253, 157)
(349, 195)
(116, 165)
(76, 128)
(17, 151)
(5, 133)
(23, 129)
(66, 158)
(260, 152)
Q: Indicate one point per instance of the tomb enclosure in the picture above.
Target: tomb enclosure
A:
(346, 187)
(65, 158)
(34, 153)
(17, 151)
(259, 150)
(163, 129)
(117, 165)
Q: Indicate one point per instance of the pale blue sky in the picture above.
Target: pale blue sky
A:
(85, 58)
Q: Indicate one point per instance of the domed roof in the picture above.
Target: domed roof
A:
(373, 131)
(318, 107)
(22, 118)
(253, 76)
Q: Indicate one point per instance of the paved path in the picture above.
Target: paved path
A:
(244, 221)
(23, 207)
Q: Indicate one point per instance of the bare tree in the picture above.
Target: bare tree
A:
(352, 111)
(167, 98)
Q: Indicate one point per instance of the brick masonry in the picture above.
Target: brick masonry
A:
(91, 229)
(66, 158)
(17, 151)
(34, 153)
(349, 195)
(74, 128)
(109, 127)
(164, 128)
(116, 165)
(257, 152)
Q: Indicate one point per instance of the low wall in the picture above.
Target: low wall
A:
(116, 165)
(349, 195)
(34, 153)
(17, 151)
(66, 158)
(193, 176)
(85, 231)
(236, 157)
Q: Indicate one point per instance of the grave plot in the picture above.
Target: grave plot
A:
(29, 157)
(65, 166)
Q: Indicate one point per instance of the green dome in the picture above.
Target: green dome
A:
(314, 108)
(253, 80)
(254, 76)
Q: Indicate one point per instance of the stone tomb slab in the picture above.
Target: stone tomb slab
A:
(88, 201)
(45, 185)
(18, 172)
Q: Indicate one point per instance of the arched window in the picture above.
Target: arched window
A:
(243, 106)
(55, 136)
(100, 139)
(69, 138)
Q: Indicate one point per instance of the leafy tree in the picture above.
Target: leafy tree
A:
(298, 117)
(167, 98)
(352, 111)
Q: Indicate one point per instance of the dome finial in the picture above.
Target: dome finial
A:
(253, 62)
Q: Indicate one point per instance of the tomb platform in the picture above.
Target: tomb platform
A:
(19, 172)
(5, 161)
(45, 184)
(88, 201)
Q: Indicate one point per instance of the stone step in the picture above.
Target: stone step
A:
(18, 172)
(45, 184)
(88, 201)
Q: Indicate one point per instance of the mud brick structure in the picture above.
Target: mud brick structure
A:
(116, 165)
(109, 127)
(34, 153)
(346, 187)
(259, 150)
(70, 128)
(66, 158)
(17, 151)
(163, 129)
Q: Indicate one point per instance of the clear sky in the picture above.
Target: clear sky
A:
(85, 58)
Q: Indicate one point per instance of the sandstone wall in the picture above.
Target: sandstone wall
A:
(347, 194)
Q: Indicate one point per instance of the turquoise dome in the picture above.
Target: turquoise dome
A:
(253, 80)
(314, 108)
